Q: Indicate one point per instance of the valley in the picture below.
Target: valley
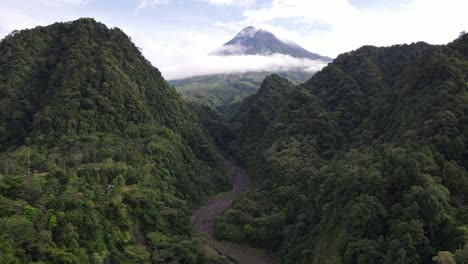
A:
(362, 161)
(351, 166)
(204, 219)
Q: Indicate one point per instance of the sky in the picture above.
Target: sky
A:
(178, 35)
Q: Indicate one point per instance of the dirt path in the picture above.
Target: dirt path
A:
(204, 220)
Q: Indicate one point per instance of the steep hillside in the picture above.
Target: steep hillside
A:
(100, 158)
(256, 112)
(364, 163)
(222, 92)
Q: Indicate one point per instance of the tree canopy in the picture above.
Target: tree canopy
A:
(364, 163)
(100, 158)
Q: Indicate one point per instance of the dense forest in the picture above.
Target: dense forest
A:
(224, 92)
(101, 161)
(364, 163)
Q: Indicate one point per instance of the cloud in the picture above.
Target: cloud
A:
(180, 42)
(22, 14)
(236, 49)
(65, 2)
(349, 26)
(181, 53)
(205, 65)
(149, 3)
(230, 2)
(305, 9)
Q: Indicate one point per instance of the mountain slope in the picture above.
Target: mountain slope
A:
(221, 91)
(364, 163)
(253, 41)
(224, 90)
(100, 158)
(256, 112)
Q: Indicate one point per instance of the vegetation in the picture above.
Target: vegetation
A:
(101, 160)
(223, 92)
(364, 163)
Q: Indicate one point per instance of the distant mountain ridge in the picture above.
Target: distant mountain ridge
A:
(254, 41)
(220, 91)
(223, 90)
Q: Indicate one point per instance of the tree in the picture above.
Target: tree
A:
(7, 252)
(444, 257)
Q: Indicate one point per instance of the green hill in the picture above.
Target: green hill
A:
(364, 163)
(222, 91)
(100, 158)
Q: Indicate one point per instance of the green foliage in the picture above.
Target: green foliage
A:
(461, 255)
(257, 111)
(97, 152)
(223, 92)
(364, 163)
(216, 98)
(7, 252)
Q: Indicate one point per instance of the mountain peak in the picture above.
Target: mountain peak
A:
(255, 41)
(249, 32)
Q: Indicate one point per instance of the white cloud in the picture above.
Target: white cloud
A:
(66, 2)
(231, 2)
(181, 51)
(236, 49)
(205, 65)
(149, 3)
(305, 9)
(22, 14)
(349, 27)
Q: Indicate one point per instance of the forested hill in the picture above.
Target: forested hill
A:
(223, 92)
(100, 158)
(364, 163)
(255, 113)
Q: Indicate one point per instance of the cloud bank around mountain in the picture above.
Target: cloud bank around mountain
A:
(213, 64)
(177, 37)
(197, 54)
